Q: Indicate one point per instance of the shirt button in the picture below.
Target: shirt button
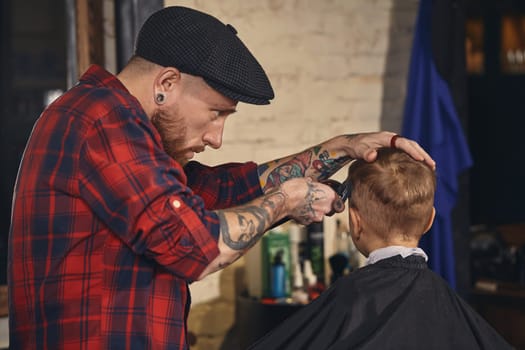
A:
(176, 204)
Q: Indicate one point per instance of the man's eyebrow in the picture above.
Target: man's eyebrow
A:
(230, 110)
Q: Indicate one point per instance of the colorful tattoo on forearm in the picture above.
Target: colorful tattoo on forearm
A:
(296, 167)
(323, 167)
(326, 166)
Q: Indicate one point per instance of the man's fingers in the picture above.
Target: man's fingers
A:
(414, 150)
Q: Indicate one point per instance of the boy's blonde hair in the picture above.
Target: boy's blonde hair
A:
(394, 195)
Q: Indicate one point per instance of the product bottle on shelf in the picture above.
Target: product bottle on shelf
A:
(315, 243)
(299, 294)
(278, 276)
(295, 241)
(314, 287)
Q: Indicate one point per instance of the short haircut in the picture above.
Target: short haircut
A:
(394, 194)
(138, 65)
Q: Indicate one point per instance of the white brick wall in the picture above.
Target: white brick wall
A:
(326, 61)
(337, 66)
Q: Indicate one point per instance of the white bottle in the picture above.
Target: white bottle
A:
(299, 294)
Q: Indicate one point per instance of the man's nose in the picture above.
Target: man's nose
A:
(213, 138)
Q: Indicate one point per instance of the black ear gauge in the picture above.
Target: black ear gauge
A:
(160, 98)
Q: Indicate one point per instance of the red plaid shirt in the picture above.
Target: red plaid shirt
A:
(107, 230)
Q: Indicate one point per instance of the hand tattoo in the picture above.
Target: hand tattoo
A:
(307, 211)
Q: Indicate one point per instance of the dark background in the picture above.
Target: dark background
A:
(34, 61)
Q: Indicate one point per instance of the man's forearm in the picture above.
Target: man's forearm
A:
(241, 227)
(318, 162)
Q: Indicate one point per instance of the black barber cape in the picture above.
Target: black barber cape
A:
(395, 303)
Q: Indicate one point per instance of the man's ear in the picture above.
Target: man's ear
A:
(167, 80)
(430, 220)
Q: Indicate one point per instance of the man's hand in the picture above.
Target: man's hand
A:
(320, 162)
(365, 146)
(300, 199)
(308, 201)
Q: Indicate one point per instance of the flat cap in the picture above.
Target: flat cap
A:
(199, 44)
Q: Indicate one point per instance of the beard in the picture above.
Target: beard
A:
(172, 133)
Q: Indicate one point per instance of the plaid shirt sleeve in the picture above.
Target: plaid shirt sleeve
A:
(140, 193)
(226, 185)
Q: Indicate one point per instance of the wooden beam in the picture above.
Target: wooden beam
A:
(89, 34)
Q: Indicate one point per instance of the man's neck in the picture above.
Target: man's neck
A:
(141, 88)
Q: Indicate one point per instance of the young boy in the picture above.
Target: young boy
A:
(395, 301)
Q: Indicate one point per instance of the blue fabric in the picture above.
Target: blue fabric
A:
(431, 119)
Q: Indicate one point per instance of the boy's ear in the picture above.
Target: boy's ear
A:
(430, 220)
(355, 219)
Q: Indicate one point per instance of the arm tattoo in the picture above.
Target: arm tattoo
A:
(326, 166)
(317, 160)
(253, 221)
(296, 167)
